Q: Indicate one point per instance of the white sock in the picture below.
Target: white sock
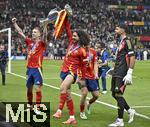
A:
(72, 117)
(130, 110)
(88, 102)
(58, 110)
(121, 120)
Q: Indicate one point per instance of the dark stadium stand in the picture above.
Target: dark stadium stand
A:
(98, 18)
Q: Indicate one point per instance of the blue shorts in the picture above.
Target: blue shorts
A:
(102, 71)
(63, 75)
(34, 77)
(92, 84)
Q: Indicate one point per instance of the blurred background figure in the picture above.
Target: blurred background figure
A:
(145, 53)
(3, 62)
(103, 67)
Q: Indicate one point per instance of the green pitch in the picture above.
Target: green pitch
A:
(137, 95)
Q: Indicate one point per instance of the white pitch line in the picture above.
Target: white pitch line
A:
(100, 102)
(51, 78)
(148, 106)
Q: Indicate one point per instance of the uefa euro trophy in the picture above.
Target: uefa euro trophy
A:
(57, 18)
(51, 18)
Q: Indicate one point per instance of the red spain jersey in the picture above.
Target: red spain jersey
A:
(35, 53)
(74, 54)
(88, 64)
(73, 60)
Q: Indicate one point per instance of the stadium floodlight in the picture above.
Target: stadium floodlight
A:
(9, 47)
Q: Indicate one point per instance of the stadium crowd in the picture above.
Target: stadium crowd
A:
(95, 17)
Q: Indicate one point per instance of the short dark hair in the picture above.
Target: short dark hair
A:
(38, 28)
(123, 26)
(84, 39)
(102, 45)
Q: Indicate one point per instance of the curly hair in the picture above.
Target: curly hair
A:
(84, 39)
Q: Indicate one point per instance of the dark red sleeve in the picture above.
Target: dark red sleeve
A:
(43, 44)
(27, 41)
(68, 30)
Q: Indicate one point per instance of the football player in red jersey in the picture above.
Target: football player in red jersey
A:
(36, 47)
(69, 70)
(88, 81)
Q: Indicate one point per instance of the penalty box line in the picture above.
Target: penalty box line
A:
(100, 102)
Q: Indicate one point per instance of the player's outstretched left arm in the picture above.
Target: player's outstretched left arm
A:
(19, 30)
(44, 36)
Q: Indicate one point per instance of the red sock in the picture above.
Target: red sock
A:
(70, 107)
(82, 108)
(29, 97)
(38, 98)
(62, 100)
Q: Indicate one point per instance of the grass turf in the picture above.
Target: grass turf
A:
(102, 115)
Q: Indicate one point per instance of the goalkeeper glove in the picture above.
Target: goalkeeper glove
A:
(128, 78)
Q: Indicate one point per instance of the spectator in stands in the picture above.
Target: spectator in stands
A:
(96, 15)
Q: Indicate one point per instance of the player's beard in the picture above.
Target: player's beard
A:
(117, 35)
(75, 41)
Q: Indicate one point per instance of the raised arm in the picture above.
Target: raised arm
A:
(44, 36)
(19, 30)
(68, 30)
